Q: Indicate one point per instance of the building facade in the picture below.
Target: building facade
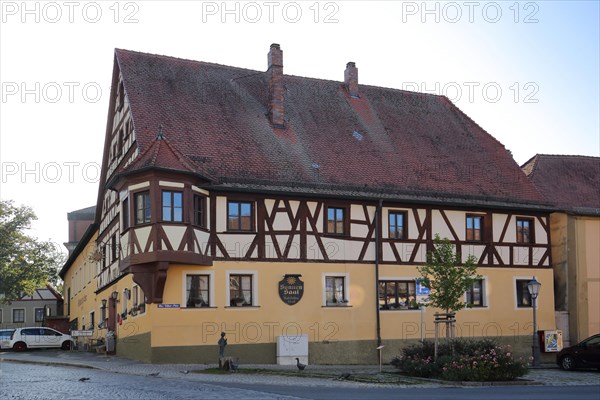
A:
(266, 205)
(31, 310)
(571, 183)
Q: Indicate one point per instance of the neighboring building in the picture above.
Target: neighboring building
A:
(79, 222)
(572, 184)
(32, 310)
(268, 205)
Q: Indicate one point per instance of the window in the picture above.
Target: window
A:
(197, 291)
(397, 225)
(120, 142)
(0, 316)
(524, 230)
(138, 306)
(135, 296)
(523, 296)
(125, 208)
(172, 206)
(124, 303)
(39, 315)
(475, 295)
(103, 314)
(240, 290)
(397, 295)
(113, 248)
(200, 210)
(142, 208)
(239, 216)
(336, 221)
(474, 228)
(92, 315)
(121, 98)
(18, 315)
(336, 291)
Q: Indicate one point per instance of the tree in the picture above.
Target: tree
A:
(26, 263)
(447, 276)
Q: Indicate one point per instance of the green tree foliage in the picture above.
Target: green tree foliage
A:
(26, 263)
(447, 276)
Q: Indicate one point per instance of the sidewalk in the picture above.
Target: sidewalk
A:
(547, 375)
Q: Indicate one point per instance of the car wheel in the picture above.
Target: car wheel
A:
(67, 345)
(567, 363)
(19, 346)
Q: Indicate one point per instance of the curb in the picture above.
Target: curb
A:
(48, 363)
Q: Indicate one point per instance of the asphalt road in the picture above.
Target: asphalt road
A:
(49, 382)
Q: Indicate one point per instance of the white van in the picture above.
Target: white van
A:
(31, 338)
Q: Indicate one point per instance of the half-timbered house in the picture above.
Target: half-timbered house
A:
(267, 205)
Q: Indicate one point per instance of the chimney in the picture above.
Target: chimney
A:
(275, 77)
(351, 79)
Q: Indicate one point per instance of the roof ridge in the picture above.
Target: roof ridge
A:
(568, 156)
(341, 82)
(184, 59)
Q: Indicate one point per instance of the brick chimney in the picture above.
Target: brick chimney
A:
(275, 77)
(351, 79)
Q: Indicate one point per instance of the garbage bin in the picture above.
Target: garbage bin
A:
(110, 342)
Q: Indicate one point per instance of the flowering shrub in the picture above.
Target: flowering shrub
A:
(462, 360)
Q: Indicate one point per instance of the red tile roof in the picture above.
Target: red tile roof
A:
(214, 116)
(572, 183)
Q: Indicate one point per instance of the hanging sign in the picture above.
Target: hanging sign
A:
(291, 289)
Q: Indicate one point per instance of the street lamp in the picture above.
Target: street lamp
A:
(534, 290)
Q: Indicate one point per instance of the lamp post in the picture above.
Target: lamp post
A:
(534, 289)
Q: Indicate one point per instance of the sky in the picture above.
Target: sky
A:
(525, 71)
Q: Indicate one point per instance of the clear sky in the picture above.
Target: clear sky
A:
(526, 71)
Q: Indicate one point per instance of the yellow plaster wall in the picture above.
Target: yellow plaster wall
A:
(272, 317)
(587, 232)
(500, 317)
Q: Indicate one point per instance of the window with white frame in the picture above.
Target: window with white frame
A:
(135, 297)
(475, 295)
(242, 290)
(523, 296)
(397, 295)
(197, 290)
(335, 289)
(124, 303)
(139, 300)
(18, 315)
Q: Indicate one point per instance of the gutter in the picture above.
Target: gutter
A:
(377, 242)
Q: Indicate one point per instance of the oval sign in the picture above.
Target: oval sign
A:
(291, 289)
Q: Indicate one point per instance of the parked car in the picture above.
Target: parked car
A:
(25, 338)
(5, 334)
(585, 354)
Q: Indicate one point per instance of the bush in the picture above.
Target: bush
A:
(461, 360)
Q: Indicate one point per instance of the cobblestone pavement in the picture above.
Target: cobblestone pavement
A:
(33, 382)
(551, 375)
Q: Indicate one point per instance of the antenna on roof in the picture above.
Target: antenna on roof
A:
(160, 135)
